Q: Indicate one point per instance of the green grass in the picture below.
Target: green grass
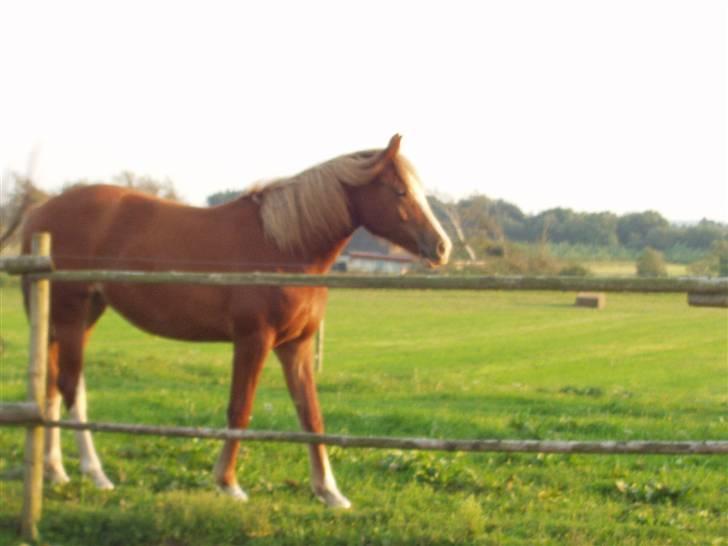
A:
(438, 364)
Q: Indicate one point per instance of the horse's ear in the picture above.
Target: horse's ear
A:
(389, 153)
(393, 146)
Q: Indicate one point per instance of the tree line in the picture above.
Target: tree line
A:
(486, 221)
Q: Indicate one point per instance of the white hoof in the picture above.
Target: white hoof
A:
(234, 491)
(55, 474)
(332, 498)
(100, 480)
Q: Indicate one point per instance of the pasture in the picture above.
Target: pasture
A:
(437, 364)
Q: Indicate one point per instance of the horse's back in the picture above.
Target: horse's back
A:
(77, 218)
(104, 222)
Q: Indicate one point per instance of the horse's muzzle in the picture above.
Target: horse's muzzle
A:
(436, 252)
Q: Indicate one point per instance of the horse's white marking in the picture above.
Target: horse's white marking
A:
(324, 486)
(90, 463)
(234, 491)
(53, 467)
(419, 194)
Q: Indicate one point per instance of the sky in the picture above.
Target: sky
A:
(609, 105)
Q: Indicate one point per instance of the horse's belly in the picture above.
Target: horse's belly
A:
(192, 313)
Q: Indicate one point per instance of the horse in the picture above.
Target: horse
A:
(296, 224)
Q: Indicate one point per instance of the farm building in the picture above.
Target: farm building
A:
(373, 262)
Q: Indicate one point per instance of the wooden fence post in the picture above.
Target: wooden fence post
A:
(318, 354)
(39, 305)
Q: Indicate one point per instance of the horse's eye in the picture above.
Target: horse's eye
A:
(401, 192)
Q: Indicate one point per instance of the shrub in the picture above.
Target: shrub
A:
(715, 263)
(651, 263)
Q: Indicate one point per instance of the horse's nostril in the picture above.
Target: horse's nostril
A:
(441, 248)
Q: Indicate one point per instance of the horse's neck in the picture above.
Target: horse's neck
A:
(320, 260)
(313, 260)
(325, 259)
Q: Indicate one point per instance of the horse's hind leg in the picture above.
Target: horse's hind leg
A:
(250, 355)
(90, 462)
(53, 463)
(53, 468)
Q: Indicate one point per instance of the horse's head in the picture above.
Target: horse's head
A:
(394, 206)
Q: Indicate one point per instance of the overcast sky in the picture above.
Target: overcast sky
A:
(613, 105)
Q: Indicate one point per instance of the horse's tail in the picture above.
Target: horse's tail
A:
(31, 196)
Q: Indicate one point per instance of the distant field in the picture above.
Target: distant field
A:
(628, 269)
(455, 364)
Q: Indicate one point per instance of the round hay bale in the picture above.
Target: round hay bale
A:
(707, 300)
(593, 300)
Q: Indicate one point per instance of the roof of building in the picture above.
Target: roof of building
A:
(375, 256)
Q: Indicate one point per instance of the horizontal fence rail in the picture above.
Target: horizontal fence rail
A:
(12, 413)
(417, 282)
(41, 267)
(649, 447)
(26, 264)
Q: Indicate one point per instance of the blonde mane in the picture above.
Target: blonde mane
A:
(311, 209)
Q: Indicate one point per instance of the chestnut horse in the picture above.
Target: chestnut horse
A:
(296, 224)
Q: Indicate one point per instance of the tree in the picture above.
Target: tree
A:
(715, 263)
(160, 188)
(704, 234)
(651, 263)
(447, 215)
(221, 197)
(661, 238)
(480, 224)
(632, 229)
(23, 195)
(144, 183)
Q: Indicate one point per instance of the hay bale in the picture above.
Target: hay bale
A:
(593, 300)
(707, 300)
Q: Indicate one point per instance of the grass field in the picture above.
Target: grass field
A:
(437, 364)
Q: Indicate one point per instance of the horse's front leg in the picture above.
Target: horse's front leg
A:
(297, 360)
(250, 354)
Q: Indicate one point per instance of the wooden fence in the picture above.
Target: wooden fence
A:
(39, 270)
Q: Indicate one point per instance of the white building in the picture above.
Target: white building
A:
(372, 262)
